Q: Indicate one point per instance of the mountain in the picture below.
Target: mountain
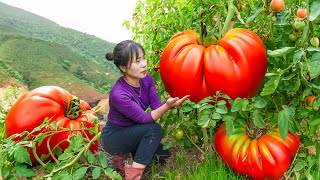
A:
(35, 51)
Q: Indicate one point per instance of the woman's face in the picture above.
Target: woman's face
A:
(137, 69)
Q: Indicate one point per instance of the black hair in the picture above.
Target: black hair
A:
(124, 52)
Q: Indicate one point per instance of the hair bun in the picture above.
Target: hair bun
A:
(109, 56)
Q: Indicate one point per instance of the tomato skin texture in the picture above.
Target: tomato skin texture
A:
(47, 101)
(267, 157)
(235, 66)
(277, 5)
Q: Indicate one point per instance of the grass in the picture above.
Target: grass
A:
(185, 165)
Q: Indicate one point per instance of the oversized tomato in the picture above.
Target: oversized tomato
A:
(236, 65)
(64, 110)
(264, 157)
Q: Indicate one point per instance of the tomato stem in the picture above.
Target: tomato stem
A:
(231, 11)
(80, 154)
(254, 132)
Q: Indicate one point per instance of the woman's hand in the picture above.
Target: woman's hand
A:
(173, 102)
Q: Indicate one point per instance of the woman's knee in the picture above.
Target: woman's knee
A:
(155, 129)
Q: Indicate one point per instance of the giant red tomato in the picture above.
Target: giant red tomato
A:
(63, 109)
(265, 157)
(236, 65)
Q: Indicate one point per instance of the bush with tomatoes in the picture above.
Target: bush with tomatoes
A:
(50, 116)
(173, 36)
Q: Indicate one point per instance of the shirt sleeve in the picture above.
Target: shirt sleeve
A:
(155, 102)
(130, 109)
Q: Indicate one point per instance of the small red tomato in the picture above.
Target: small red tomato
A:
(310, 99)
(277, 5)
(302, 13)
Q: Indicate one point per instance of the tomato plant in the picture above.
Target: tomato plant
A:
(66, 116)
(262, 156)
(292, 70)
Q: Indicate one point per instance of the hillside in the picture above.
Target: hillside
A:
(37, 63)
(35, 51)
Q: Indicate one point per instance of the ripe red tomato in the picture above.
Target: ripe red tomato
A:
(302, 13)
(50, 102)
(310, 99)
(266, 157)
(277, 5)
(236, 65)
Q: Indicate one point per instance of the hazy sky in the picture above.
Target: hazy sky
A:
(102, 18)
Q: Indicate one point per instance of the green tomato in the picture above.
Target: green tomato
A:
(195, 138)
(314, 41)
(299, 25)
(179, 134)
(293, 37)
(274, 18)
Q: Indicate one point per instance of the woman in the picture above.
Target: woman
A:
(130, 128)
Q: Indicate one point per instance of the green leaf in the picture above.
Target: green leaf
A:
(314, 10)
(79, 173)
(252, 17)
(245, 103)
(102, 160)
(221, 102)
(258, 119)
(290, 110)
(23, 171)
(270, 86)
(280, 52)
(204, 117)
(206, 106)
(237, 104)
(168, 144)
(112, 174)
(49, 166)
(21, 155)
(76, 142)
(314, 65)
(311, 49)
(259, 102)
(229, 126)
(186, 109)
(222, 109)
(283, 122)
(96, 173)
(90, 157)
(298, 55)
(283, 18)
(216, 115)
(315, 122)
(300, 165)
(65, 177)
(65, 156)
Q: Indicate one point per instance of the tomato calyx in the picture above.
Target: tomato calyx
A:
(254, 132)
(206, 39)
(73, 111)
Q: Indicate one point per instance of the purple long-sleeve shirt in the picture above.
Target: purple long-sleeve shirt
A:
(127, 108)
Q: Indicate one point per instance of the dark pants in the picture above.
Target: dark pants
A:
(141, 140)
